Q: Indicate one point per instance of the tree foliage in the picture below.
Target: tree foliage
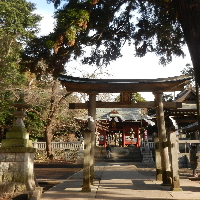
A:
(18, 25)
(189, 70)
(48, 116)
(158, 26)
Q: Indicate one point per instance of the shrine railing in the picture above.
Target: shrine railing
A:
(59, 145)
(150, 145)
(184, 145)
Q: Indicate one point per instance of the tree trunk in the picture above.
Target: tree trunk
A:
(189, 17)
(54, 107)
(48, 136)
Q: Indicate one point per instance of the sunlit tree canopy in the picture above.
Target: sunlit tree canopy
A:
(161, 27)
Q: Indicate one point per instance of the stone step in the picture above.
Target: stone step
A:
(119, 154)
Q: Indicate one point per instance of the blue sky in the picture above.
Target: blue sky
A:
(46, 11)
(42, 5)
(128, 66)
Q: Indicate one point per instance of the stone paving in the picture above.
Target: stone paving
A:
(123, 181)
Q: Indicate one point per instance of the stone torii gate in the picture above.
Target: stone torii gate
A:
(126, 87)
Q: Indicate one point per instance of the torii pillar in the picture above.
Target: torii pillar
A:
(174, 161)
(163, 144)
(89, 143)
(92, 127)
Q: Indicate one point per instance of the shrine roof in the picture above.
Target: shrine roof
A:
(186, 95)
(76, 84)
(188, 99)
(123, 113)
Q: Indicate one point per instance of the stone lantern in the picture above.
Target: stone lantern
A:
(17, 157)
(18, 135)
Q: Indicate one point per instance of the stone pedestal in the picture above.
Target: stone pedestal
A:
(16, 170)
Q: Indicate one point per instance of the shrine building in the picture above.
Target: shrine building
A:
(121, 126)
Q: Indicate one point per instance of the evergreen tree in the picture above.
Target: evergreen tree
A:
(158, 26)
(18, 25)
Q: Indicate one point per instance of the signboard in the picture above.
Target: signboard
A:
(125, 98)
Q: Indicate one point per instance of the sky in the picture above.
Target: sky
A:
(127, 67)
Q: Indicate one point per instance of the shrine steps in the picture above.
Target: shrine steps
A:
(119, 154)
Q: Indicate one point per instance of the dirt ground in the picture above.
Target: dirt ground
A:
(55, 169)
(49, 173)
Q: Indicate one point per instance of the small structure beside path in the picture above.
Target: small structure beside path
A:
(147, 156)
(17, 158)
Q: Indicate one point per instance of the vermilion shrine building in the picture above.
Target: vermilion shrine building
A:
(121, 125)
